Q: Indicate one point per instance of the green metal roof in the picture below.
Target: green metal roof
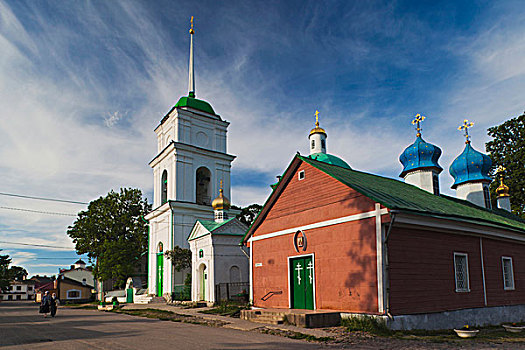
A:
(330, 159)
(212, 225)
(395, 194)
(200, 105)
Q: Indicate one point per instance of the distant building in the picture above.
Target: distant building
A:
(19, 290)
(74, 284)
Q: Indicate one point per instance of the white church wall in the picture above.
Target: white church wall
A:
(159, 232)
(227, 253)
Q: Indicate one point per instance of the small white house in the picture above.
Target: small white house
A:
(220, 267)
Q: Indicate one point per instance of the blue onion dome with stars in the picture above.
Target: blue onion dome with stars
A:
(470, 165)
(420, 154)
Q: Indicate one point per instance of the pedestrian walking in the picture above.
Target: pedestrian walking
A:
(44, 305)
(53, 303)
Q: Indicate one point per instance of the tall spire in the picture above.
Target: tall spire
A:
(191, 71)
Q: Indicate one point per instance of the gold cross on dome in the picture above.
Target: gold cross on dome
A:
(316, 117)
(191, 29)
(417, 122)
(465, 126)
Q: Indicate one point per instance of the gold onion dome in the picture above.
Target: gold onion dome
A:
(502, 190)
(221, 202)
(317, 129)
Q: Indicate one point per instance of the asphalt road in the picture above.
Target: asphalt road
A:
(21, 327)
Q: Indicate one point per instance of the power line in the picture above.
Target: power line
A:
(38, 211)
(41, 198)
(37, 245)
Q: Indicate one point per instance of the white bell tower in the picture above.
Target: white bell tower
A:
(191, 161)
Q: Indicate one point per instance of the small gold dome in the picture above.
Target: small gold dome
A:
(221, 202)
(502, 190)
(317, 129)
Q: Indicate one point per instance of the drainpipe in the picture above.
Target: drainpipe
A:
(387, 264)
(242, 250)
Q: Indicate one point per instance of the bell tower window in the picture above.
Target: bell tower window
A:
(164, 188)
(203, 183)
(313, 144)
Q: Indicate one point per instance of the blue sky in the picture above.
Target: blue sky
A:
(84, 83)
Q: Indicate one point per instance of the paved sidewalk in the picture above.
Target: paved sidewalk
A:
(234, 323)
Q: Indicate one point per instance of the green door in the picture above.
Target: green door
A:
(204, 277)
(160, 273)
(129, 295)
(302, 275)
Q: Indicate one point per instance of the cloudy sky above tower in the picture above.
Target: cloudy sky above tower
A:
(84, 83)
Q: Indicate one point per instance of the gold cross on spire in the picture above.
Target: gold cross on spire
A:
(191, 29)
(417, 122)
(465, 126)
(316, 118)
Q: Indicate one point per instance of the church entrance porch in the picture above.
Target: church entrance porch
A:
(302, 282)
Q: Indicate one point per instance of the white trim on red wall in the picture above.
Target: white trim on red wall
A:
(331, 222)
(380, 260)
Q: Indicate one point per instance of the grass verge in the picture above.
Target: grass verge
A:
(226, 309)
(165, 315)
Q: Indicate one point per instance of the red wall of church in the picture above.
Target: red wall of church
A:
(345, 254)
(422, 275)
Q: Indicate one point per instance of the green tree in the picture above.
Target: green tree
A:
(507, 149)
(4, 272)
(180, 257)
(112, 234)
(17, 273)
(249, 213)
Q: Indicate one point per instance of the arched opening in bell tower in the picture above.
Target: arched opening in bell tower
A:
(203, 186)
(164, 187)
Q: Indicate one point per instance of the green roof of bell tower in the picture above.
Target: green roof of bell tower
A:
(192, 102)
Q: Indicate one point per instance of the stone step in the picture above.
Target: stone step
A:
(268, 319)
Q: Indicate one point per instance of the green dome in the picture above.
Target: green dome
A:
(200, 105)
(329, 159)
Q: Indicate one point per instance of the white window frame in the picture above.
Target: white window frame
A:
(464, 290)
(503, 258)
(301, 175)
(74, 290)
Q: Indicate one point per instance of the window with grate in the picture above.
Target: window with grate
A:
(435, 183)
(486, 196)
(461, 272)
(508, 273)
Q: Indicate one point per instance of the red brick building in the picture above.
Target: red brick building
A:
(332, 238)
